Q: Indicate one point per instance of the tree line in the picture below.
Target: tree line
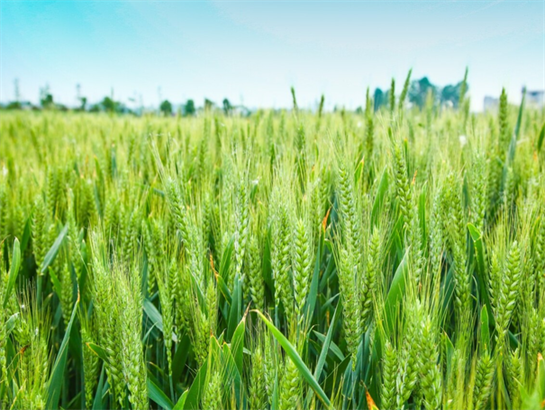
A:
(419, 93)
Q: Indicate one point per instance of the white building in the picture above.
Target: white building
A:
(491, 103)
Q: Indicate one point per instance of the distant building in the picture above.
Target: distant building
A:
(491, 103)
(535, 98)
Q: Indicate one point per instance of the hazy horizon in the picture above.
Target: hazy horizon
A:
(252, 52)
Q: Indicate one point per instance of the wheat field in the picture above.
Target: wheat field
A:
(284, 260)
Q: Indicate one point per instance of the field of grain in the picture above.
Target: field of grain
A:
(285, 260)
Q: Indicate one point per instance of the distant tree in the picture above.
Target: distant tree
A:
(83, 103)
(46, 98)
(227, 107)
(14, 105)
(418, 91)
(208, 104)
(47, 101)
(166, 108)
(109, 104)
(379, 98)
(189, 108)
(452, 93)
(94, 108)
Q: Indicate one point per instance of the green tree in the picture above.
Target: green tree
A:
(166, 108)
(83, 103)
(14, 105)
(379, 98)
(227, 107)
(109, 104)
(46, 98)
(189, 107)
(452, 93)
(208, 104)
(418, 91)
(47, 101)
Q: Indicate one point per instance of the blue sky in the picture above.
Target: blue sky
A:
(253, 51)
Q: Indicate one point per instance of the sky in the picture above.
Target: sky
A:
(252, 52)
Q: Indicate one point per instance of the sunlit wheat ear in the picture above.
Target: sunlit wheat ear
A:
(3, 329)
(414, 241)
(348, 208)
(369, 126)
(134, 366)
(107, 301)
(32, 334)
(351, 302)
(271, 364)
(281, 262)
(405, 90)
(369, 286)
(39, 241)
(4, 216)
(165, 275)
(478, 191)
(430, 373)
(255, 274)
(150, 249)
(90, 359)
(389, 373)
(65, 297)
(455, 222)
(349, 260)
(302, 265)
(508, 293)
(392, 96)
(515, 374)
(212, 397)
(540, 256)
(436, 236)
(257, 390)
(290, 387)
(503, 120)
(409, 361)
(241, 232)
(54, 192)
(483, 381)
(402, 184)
